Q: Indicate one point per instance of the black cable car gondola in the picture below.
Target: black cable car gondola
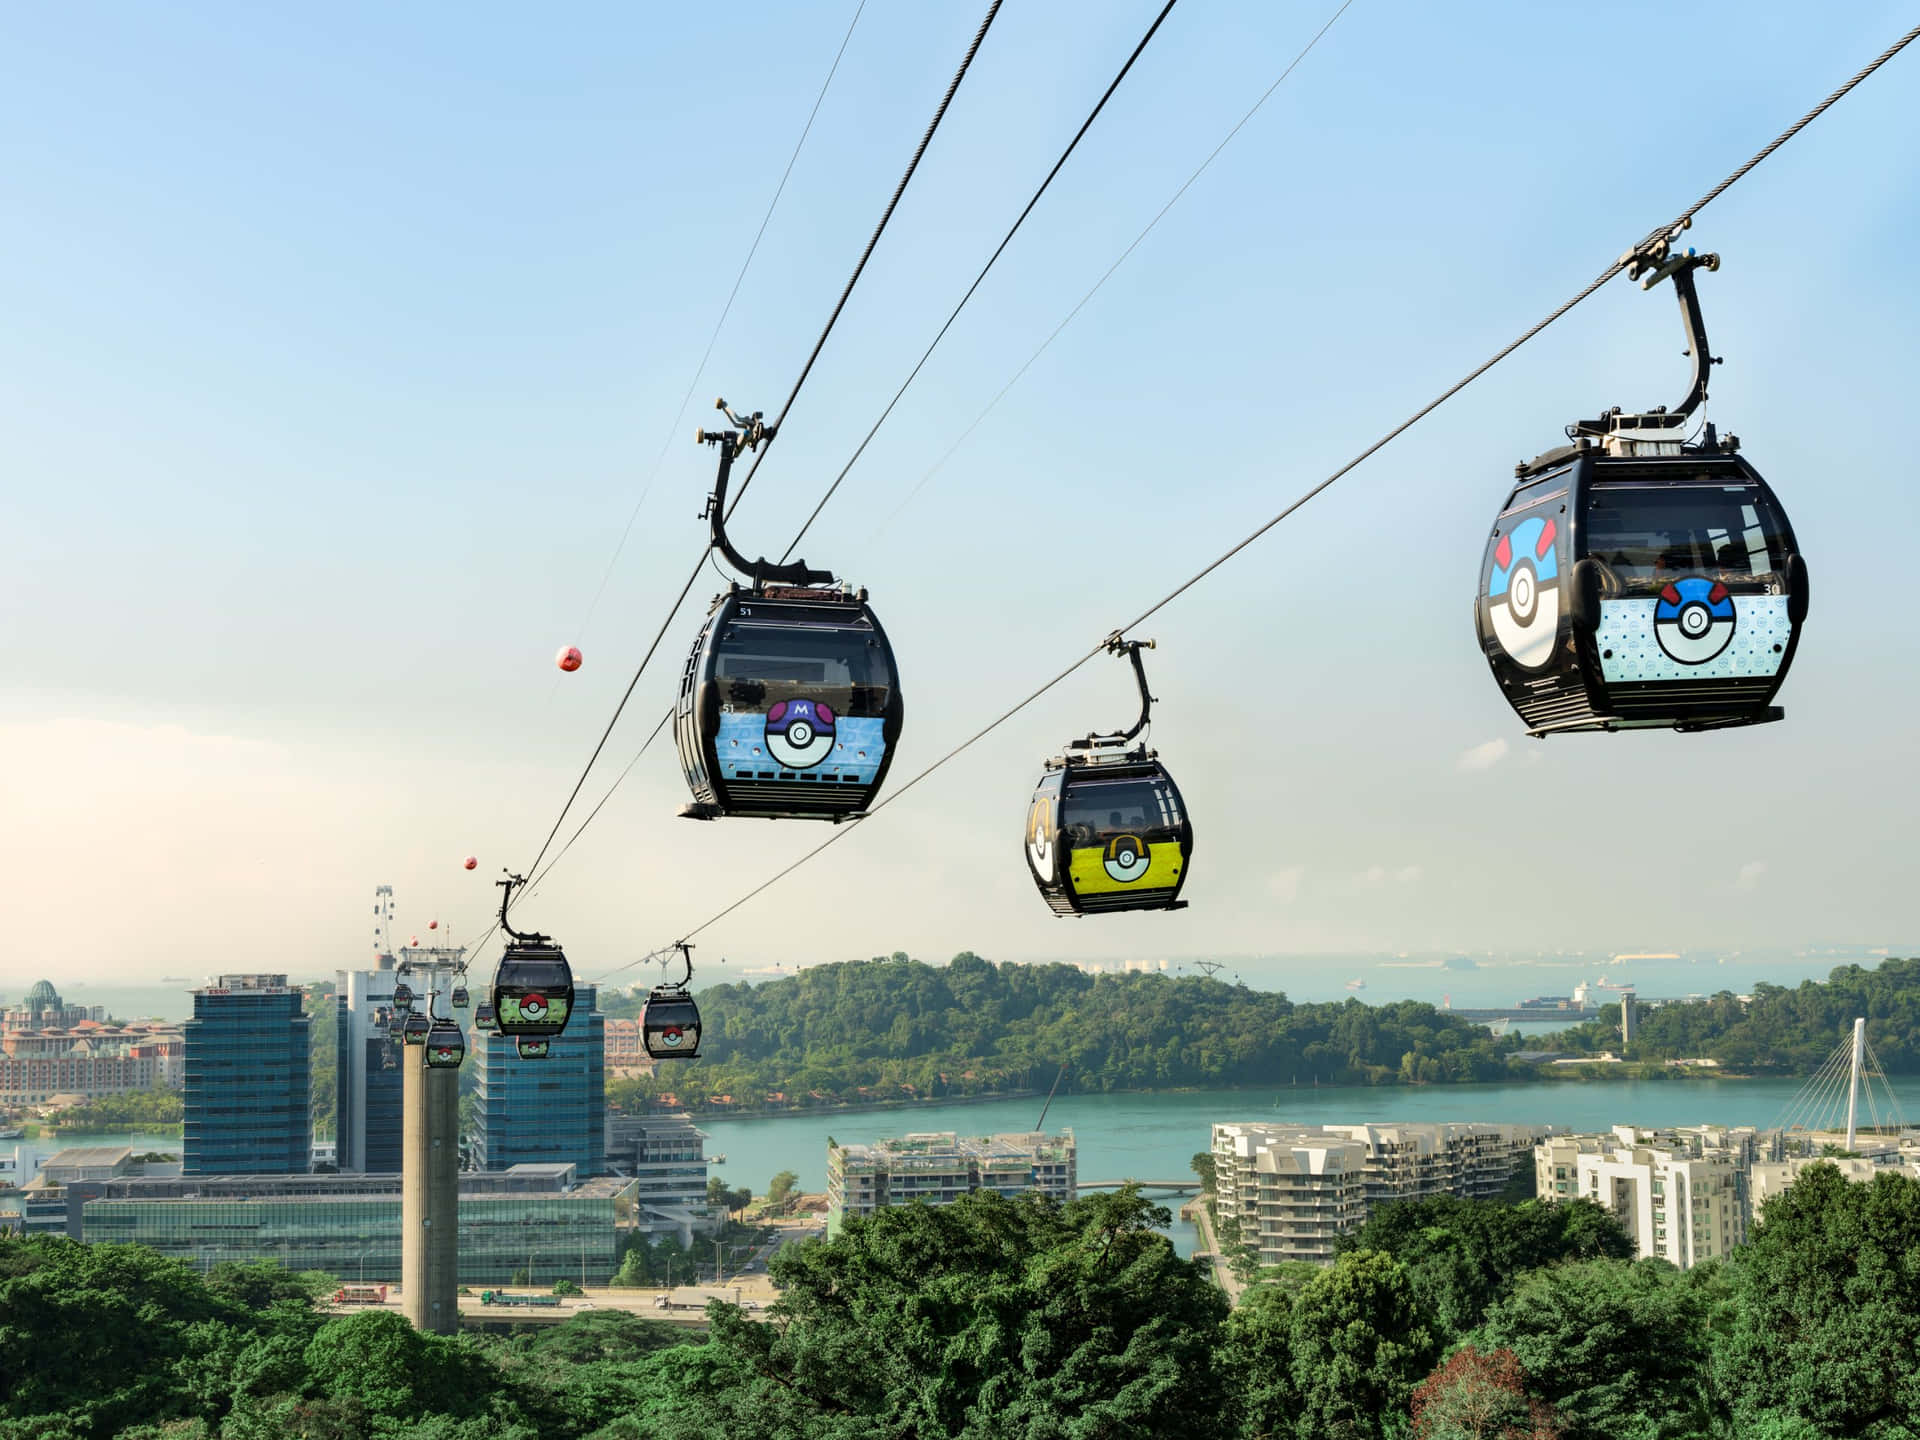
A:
(394, 1020)
(530, 1049)
(789, 707)
(446, 1046)
(483, 1016)
(1636, 581)
(1107, 829)
(402, 996)
(670, 1021)
(460, 997)
(532, 984)
(415, 1031)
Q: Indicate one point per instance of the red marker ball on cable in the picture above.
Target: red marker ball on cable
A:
(469, 863)
(568, 659)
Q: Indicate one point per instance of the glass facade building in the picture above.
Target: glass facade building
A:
(549, 1112)
(540, 1221)
(247, 1079)
(367, 1078)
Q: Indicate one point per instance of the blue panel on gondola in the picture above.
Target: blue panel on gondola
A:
(804, 738)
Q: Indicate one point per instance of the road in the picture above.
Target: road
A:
(1223, 1275)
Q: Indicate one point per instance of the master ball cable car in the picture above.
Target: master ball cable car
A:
(670, 1021)
(532, 984)
(789, 706)
(1106, 829)
(1635, 580)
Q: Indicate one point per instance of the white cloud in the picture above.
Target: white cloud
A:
(1284, 885)
(1750, 874)
(1483, 757)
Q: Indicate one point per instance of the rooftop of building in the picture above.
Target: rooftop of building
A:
(947, 1145)
(42, 995)
(75, 1156)
(257, 984)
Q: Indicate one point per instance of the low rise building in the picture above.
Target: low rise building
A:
(667, 1157)
(941, 1167)
(1293, 1190)
(540, 1220)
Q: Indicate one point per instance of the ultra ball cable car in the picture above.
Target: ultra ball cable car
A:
(1636, 581)
(532, 984)
(670, 1021)
(789, 706)
(1107, 830)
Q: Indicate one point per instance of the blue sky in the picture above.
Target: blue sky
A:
(339, 345)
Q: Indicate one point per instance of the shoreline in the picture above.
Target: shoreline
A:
(1571, 1074)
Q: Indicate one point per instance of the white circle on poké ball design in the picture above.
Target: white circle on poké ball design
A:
(1127, 858)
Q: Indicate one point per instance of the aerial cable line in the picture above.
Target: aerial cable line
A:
(886, 215)
(1185, 185)
(726, 309)
(653, 471)
(852, 280)
(999, 249)
(1684, 219)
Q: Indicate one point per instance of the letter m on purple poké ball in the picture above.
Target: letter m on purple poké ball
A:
(1523, 592)
(1694, 619)
(799, 733)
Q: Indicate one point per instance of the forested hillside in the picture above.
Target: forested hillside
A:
(1781, 1031)
(894, 1028)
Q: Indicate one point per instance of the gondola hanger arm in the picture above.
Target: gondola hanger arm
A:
(753, 431)
(1117, 644)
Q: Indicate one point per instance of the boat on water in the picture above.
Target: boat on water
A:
(1356, 984)
(15, 1134)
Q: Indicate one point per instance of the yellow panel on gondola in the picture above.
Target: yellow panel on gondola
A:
(1126, 863)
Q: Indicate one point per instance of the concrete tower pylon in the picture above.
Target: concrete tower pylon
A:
(1853, 1079)
(429, 1193)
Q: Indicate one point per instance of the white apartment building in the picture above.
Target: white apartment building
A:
(1680, 1194)
(940, 1167)
(1294, 1189)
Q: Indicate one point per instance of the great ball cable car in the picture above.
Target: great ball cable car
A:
(1106, 829)
(1634, 580)
(670, 1021)
(483, 1016)
(446, 1047)
(416, 1028)
(789, 706)
(532, 1049)
(532, 984)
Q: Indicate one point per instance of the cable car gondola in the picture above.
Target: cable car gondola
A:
(530, 1049)
(402, 996)
(532, 984)
(460, 997)
(417, 1028)
(1635, 580)
(446, 1046)
(483, 1016)
(789, 706)
(1107, 829)
(670, 1021)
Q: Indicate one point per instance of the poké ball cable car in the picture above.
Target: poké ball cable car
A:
(1107, 829)
(446, 1046)
(670, 1021)
(789, 705)
(1634, 580)
(416, 1029)
(532, 984)
(483, 1016)
(528, 1049)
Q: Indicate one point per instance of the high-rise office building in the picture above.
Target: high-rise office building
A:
(367, 1077)
(247, 1079)
(543, 1112)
